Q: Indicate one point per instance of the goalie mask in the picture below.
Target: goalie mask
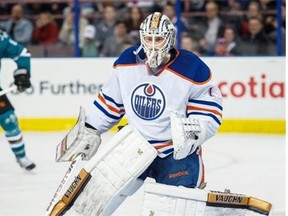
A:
(157, 36)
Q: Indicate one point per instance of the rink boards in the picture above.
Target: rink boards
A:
(253, 90)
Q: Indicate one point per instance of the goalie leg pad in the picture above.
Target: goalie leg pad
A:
(167, 200)
(114, 174)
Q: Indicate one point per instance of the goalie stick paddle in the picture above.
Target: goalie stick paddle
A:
(62, 183)
(7, 90)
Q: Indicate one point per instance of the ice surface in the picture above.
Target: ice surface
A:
(248, 164)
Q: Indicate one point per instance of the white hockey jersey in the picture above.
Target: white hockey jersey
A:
(186, 84)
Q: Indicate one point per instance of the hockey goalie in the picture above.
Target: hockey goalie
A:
(173, 105)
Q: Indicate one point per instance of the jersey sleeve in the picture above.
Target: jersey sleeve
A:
(205, 104)
(15, 51)
(107, 109)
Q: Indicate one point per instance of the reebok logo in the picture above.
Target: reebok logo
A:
(178, 174)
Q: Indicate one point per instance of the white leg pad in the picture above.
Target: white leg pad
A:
(167, 200)
(114, 174)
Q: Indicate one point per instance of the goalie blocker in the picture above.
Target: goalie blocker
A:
(108, 178)
(79, 141)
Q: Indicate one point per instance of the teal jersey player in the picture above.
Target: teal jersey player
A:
(13, 50)
(8, 120)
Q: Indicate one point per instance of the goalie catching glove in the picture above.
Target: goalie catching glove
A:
(80, 140)
(187, 135)
(22, 79)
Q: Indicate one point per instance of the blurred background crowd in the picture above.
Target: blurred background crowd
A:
(101, 28)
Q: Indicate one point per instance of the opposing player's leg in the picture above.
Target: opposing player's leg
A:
(168, 200)
(108, 178)
(9, 123)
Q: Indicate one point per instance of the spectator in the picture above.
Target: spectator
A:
(270, 28)
(227, 46)
(220, 47)
(254, 10)
(134, 20)
(105, 27)
(46, 30)
(169, 11)
(234, 13)
(232, 42)
(113, 45)
(257, 43)
(213, 28)
(90, 45)
(66, 34)
(187, 43)
(19, 28)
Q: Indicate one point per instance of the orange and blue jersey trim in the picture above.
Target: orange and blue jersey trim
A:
(164, 147)
(206, 108)
(128, 58)
(203, 102)
(109, 107)
(190, 67)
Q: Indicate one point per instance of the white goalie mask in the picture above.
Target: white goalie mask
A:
(157, 36)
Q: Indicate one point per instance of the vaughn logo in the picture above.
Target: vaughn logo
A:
(148, 101)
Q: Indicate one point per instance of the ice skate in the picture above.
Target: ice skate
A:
(26, 164)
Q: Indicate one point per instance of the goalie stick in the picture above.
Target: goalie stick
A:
(67, 151)
(7, 90)
(63, 182)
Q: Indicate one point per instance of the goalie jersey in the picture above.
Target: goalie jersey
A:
(185, 84)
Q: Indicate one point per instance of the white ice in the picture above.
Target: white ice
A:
(249, 164)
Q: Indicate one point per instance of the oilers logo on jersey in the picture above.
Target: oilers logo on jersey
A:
(148, 101)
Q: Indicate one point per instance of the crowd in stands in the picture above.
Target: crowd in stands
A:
(208, 28)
